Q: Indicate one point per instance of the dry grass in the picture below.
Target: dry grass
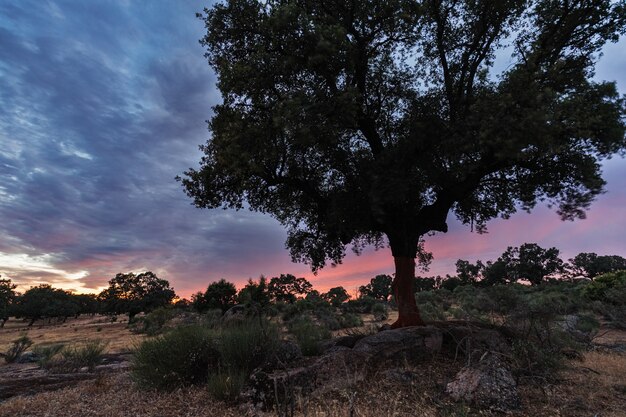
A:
(594, 387)
(115, 396)
(116, 335)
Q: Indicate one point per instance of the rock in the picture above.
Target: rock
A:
(488, 384)
(341, 343)
(408, 344)
(286, 353)
(27, 357)
(401, 376)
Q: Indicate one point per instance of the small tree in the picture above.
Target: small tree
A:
(7, 296)
(132, 294)
(287, 288)
(336, 296)
(369, 122)
(255, 294)
(379, 288)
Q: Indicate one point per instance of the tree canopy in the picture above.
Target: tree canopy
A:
(135, 293)
(590, 265)
(367, 122)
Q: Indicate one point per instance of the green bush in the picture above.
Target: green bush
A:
(87, 355)
(328, 319)
(153, 322)
(178, 358)
(308, 334)
(46, 354)
(245, 346)
(349, 320)
(597, 289)
(18, 346)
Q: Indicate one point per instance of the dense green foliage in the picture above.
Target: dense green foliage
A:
(221, 355)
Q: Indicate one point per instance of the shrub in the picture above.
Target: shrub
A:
(87, 355)
(361, 305)
(308, 334)
(380, 312)
(600, 286)
(46, 354)
(18, 346)
(348, 320)
(178, 358)
(153, 322)
(244, 346)
(329, 319)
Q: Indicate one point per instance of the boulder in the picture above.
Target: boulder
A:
(487, 384)
(407, 344)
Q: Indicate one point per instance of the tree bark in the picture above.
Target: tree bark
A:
(408, 313)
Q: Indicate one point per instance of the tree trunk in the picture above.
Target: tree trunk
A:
(408, 313)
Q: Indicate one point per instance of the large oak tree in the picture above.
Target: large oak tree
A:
(371, 121)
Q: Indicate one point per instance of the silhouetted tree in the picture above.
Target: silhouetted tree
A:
(7, 296)
(469, 273)
(218, 295)
(287, 288)
(370, 122)
(336, 296)
(531, 262)
(135, 293)
(255, 294)
(379, 288)
(590, 265)
(43, 302)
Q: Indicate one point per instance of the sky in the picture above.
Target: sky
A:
(103, 103)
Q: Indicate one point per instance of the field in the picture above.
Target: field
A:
(75, 330)
(594, 386)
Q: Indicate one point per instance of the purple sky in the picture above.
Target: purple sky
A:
(103, 103)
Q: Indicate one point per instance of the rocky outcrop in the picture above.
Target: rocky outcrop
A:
(487, 384)
(350, 360)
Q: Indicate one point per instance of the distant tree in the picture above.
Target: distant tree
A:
(532, 263)
(132, 294)
(469, 273)
(450, 283)
(590, 265)
(287, 288)
(220, 295)
(495, 273)
(369, 122)
(427, 283)
(379, 288)
(43, 302)
(87, 303)
(7, 296)
(336, 296)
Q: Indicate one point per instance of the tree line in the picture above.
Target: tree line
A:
(130, 293)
